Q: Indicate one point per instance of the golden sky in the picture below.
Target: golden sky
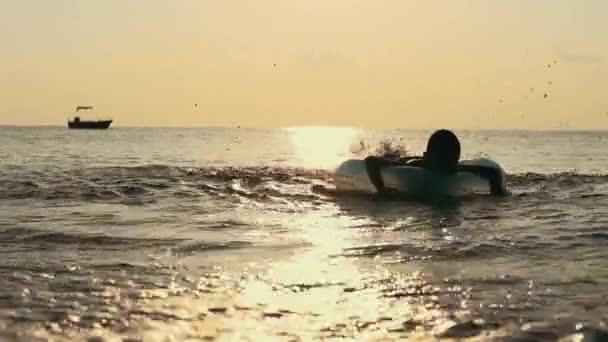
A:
(267, 63)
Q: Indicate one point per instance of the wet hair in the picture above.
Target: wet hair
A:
(443, 151)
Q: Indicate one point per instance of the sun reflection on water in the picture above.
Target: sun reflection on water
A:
(321, 146)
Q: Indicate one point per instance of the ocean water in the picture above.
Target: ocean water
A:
(167, 234)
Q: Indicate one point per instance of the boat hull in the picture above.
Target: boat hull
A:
(102, 124)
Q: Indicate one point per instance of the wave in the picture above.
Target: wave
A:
(38, 240)
(33, 237)
(561, 178)
(149, 183)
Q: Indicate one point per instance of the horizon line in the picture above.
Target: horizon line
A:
(577, 130)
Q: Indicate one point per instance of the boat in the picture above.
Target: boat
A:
(78, 123)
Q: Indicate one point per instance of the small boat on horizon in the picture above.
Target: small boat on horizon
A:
(78, 123)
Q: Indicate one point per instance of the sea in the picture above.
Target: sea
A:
(239, 234)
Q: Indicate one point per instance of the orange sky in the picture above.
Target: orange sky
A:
(392, 63)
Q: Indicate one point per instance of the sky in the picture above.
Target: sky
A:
(466, 64)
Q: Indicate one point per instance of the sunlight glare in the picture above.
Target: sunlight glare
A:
(323, 147)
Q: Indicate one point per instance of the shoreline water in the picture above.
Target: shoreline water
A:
(203, 234)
